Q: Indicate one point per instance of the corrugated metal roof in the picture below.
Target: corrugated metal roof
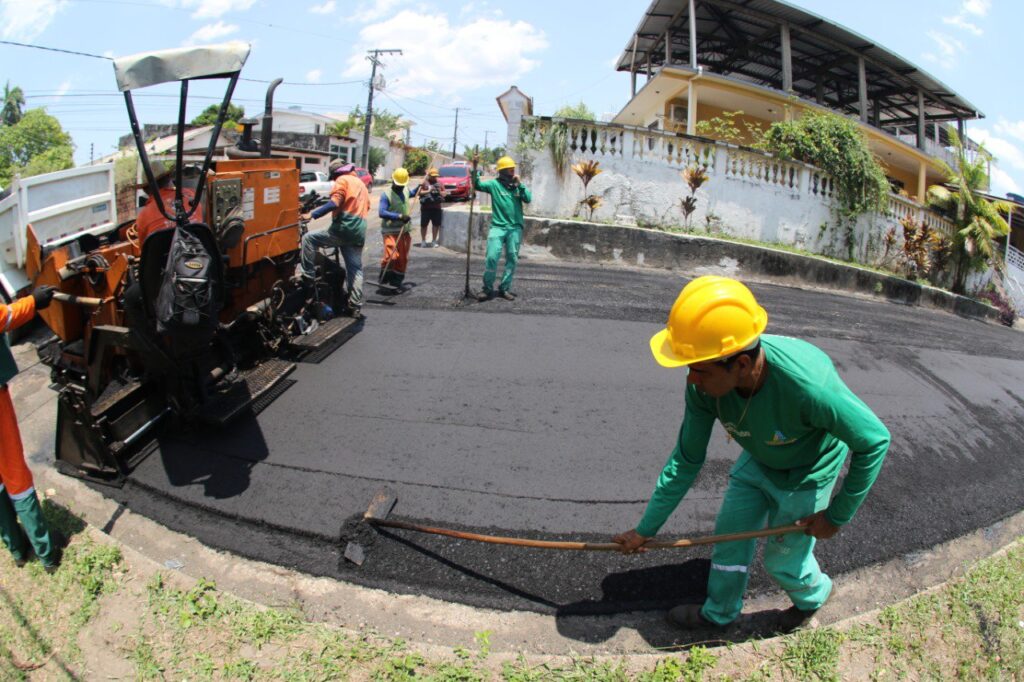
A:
(741, 38)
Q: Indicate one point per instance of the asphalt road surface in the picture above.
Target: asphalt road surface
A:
(547, 417)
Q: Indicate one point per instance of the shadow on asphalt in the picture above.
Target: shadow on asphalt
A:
(192, 458)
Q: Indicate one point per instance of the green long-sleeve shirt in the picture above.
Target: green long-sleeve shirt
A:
(799, 428)
(506, 204)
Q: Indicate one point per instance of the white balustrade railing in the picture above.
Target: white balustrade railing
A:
(901, 208)
(1015, 258)
(594, 140)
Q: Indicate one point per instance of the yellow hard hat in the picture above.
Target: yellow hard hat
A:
(714, 317)
(400, 177)
(433, 173)
(506, 162)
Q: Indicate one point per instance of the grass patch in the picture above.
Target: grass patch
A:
(973, 628)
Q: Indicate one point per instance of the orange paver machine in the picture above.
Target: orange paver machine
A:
(196, 323)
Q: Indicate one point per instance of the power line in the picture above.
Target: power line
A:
(56, 49)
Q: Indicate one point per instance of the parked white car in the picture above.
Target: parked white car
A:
(314, 181)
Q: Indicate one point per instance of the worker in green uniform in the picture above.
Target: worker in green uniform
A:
(783, 402)
(508, 195)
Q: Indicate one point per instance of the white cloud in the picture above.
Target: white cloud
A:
(211, 32)
(969, 9)
(960, 22)
(210, 9)
(441, 57)
(1011, 128)
(1008, 169)
(24, 20)
(313, 76)
(977, 7)
(949, 48)
(325, 8)
(62, 89)
(374, 11)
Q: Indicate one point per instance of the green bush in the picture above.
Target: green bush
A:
(417, 161)
(837, 146)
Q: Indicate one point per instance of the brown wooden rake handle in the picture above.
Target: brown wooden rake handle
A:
(585, 546)
(86, 301)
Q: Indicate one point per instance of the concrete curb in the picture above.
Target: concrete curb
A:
(633, 246)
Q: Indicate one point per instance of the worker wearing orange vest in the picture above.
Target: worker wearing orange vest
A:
(150, 219)
(17, 493)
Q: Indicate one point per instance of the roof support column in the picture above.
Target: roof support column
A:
(693, 34)
(920, 119)
(862, 89)
(960, 128)
(691, 108)
(648, 66)
(787, 58)
(668, 48)
(632, 68)
(922, 180)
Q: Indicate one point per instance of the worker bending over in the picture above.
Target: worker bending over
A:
(394, 228)
(349, 205)
(783, 402)
(17, 492)
(508, 195)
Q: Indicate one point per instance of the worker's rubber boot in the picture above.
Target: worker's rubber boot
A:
(689, 617)
(484, 296)
(507, 295)
(793, 619)
(39, 536)
(10, 531)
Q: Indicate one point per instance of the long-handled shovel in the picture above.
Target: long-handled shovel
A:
(469, 228)
(382, 504)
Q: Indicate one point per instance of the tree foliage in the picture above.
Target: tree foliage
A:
(977, 220)
(209, 115)
(384, 123)
(488, 155)
(14, 103)
(578, 111)
(377, 158)
(36, 144)
(417, 161)
(837, 146)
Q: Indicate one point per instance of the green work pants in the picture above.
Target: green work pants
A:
(752, 501)
(497, 237)
(31, 534)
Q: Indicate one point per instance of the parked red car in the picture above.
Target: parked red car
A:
(365, 176)
(456, 180)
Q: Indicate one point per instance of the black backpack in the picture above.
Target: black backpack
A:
(187, 299)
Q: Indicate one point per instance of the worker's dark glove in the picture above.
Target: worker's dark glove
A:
(406, 218)
(43, 295)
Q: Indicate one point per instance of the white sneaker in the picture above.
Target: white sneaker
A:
(435, 244)
(424, 245)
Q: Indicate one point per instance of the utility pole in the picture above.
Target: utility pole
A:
(374, 57)
(455, 137)
(486, 133)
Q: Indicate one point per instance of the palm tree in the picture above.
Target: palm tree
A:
(14, 100)
(977, 222)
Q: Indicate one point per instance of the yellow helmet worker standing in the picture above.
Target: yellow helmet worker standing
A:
(394, 220)
(783, 402)
(508, 195)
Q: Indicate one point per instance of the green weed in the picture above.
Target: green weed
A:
(813, 654)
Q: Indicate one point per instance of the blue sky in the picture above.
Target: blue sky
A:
(456, 54)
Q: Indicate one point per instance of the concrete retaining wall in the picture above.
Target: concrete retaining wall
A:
(596, 243)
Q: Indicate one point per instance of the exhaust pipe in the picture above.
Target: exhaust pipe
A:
(268, 120)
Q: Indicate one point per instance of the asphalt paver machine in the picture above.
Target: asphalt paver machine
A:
(122, 376)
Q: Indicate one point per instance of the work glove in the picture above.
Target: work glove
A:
(406, 218)
(43, 295)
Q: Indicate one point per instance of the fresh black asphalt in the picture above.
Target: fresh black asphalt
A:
(547, 417)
